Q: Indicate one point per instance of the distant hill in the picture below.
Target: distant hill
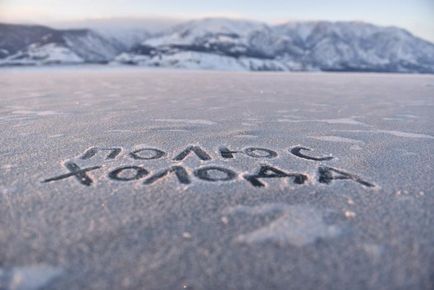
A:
(226, 44)
(33, 45)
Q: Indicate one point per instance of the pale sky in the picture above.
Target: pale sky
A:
(414, 15)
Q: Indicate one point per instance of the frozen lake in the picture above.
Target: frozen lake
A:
(156, 179)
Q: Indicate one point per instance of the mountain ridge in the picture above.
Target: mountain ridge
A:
(227, 44)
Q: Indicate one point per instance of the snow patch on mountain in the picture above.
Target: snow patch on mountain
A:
(46, 54)
(207, 61)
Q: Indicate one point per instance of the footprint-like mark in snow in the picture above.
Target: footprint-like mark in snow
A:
(297, 225)
(32, 277)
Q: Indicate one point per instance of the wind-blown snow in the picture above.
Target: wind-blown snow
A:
(297, 225)
(31, 277)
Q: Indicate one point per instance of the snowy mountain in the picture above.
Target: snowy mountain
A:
(125, 38)
(209, 43)
(353, 46)
(227, 45)
(326, 46)
(35, 45)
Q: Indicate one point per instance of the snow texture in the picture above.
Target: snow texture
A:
(131, 230)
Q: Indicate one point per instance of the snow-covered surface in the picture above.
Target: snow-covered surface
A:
(139, 234)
